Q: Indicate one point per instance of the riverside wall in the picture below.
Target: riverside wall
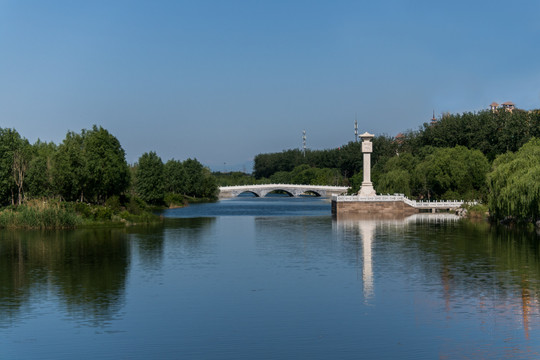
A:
(370, 208)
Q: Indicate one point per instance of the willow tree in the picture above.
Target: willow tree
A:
(514, 189)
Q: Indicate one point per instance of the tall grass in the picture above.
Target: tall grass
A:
(38, 214)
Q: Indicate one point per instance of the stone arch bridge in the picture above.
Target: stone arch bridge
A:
(292, 190)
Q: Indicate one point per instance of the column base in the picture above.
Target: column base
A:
(367, 189)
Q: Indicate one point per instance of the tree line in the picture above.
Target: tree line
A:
(90, 166)
(462, 156)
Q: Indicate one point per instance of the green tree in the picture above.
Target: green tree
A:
(281, 177)
(451, 172)
(175, 177)
(70, 174)
(14, 158)
(40, 170)
(395, 181)
(209, 188)
(149, 179)
(21, 158)
(108, 171)
(194, 174)
(514, 189)
(90, 166)
(199, 180)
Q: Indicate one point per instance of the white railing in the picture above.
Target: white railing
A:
(266, 186)
(445, 204)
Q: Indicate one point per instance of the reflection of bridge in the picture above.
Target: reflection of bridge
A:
(292, 190)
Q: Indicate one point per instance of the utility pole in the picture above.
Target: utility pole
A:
(304, 142)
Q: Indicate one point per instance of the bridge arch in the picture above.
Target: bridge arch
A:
(248, 192)
(310, 192)
(269, 191)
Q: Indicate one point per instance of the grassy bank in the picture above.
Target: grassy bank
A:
(53, 214)
(39, 216)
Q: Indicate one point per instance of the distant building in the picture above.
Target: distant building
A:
(507, 106)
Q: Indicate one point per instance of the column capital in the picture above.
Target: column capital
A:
(366, 136)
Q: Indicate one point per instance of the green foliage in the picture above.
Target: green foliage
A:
(136, 206)
(149, 179)
(70, 172)
(90, 166)
(199, 181)
(281, 177)
(234, 178)
(39, 182)
(356, 182)
(395, 181)
(347, 159)
(115, 210)
(14, 155)
(491, 133)
(477, 211)
(514, 186)
(174, 200)
(175, 177)
(450, 172)
(209, 188)
(83, 209)
(107, 169)
(114, 203)
(39, 215)
(307, 175)
(141, 218)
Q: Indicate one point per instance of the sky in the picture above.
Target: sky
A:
(222, 81)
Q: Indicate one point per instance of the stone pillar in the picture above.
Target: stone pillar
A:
(367, 149)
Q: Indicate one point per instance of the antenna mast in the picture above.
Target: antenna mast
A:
(304, 142)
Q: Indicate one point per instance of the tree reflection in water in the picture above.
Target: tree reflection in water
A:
(493, 268)
(85, 269)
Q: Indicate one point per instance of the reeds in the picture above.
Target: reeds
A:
(37, 214)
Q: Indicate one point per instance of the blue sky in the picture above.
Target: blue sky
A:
(222, 81)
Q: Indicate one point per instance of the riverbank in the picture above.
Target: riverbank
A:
(55, 214)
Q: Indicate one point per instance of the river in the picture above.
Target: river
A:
(271, 278)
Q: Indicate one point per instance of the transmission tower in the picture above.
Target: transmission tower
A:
(304, 143)
(355, 129)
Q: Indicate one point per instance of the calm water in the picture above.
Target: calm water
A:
(271, 278)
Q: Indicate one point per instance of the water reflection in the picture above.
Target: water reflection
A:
(86, 270)
(148, 243)
(293, 236)
(190, 234)
(492, 269)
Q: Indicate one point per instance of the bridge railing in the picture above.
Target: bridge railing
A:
(330, 187)
(413, 203)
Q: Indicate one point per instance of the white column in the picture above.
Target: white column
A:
(367, 149)
(367, 168)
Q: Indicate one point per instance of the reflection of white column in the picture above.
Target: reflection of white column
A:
(367, 229)
(367, 149)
